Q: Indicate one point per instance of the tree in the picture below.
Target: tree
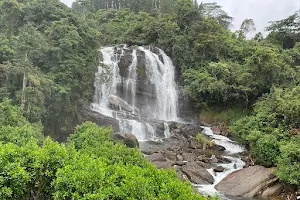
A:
(247, 27)
(286, 31)
(215, 11)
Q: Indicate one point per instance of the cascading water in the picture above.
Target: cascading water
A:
(236, 163)
(118, 94)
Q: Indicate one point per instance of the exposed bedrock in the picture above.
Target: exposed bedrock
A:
(251, 182)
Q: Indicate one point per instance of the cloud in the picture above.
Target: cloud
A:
(67, 2)
(261, 11)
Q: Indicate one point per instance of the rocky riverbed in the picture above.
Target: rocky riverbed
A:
(211, 168)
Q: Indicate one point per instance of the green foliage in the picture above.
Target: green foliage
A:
(289, 161)
(272, 132)
(204, 141)
(15, 128)
(91, 166)
(266, 150)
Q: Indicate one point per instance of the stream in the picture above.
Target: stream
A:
(232, 148)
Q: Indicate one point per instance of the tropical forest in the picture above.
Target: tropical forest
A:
(146, 100)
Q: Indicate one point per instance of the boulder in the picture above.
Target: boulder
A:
(128, 139)
(187, 130)
(219, 169)
(117, 103)
(219, 129)
(197, 174)
(249, 182)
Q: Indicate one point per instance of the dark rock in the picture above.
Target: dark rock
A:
(219, 169)
(197, 174)
(187, 130)
(218, 148)
(204, 165)
(249, 182)
(222, 159)
(128, 139)
(87, 114)
(125, 61)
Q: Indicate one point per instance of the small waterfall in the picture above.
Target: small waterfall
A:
(137, 87)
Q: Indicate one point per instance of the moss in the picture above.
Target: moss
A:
(140, 70)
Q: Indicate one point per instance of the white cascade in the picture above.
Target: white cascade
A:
(160, 75)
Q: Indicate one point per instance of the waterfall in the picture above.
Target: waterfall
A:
(137, 87)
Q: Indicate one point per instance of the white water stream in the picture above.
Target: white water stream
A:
(236, 163)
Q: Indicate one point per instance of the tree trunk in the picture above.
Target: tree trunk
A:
(23, 92)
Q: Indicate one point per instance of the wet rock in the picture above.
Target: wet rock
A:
(117, 103)
(197, 174)
(249, 182)
(187, 130)
(128, 139)
(219, 169)
(218, 148)
(125, 61)
(222, 159)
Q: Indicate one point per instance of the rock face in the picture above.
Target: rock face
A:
(250, 182)
(128, 139)
(86, 114)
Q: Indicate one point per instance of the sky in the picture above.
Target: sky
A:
(261, 11)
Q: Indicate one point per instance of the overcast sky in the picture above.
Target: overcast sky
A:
(261, 11)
